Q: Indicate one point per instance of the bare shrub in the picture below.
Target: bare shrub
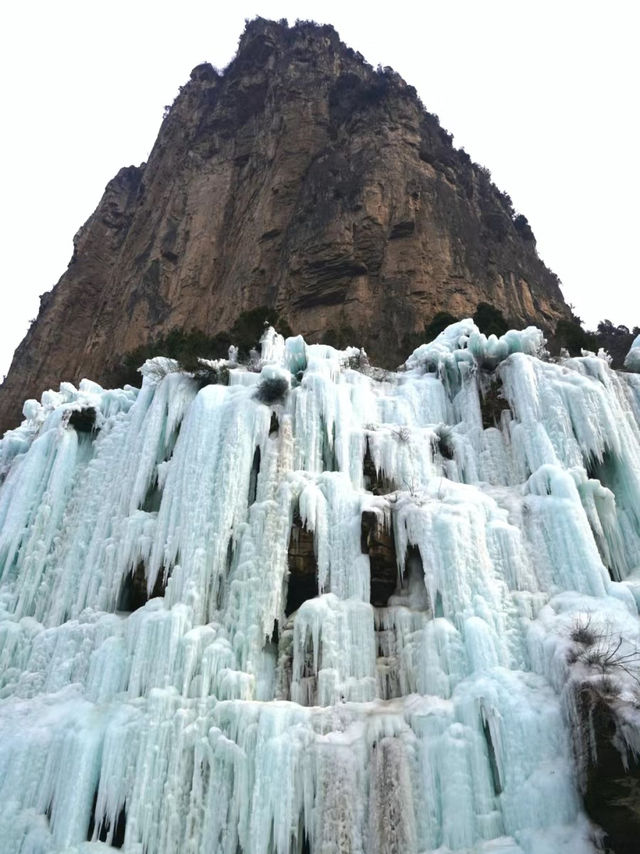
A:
(209, 375)
(607, 657)
(582, 631)
(358, 362)
(603, 652)
(272, 390)
(402, 434)
(415, 489)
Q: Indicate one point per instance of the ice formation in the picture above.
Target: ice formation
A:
(632, 360)
(322, 608)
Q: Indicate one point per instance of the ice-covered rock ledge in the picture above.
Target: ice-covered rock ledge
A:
(632, 360)
(308, 606)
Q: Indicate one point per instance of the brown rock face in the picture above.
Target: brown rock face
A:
(378, 542)
(303, 180)
(610, 772)
(303, 567)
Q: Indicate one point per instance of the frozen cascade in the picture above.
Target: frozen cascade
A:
(323, 608)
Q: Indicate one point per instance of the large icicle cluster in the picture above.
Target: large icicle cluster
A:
(319, 609)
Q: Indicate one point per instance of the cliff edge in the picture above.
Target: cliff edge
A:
(300, 179)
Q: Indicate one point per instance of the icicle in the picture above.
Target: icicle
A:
(321, 608)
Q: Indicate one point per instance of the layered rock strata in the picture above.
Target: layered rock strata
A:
(300, 179)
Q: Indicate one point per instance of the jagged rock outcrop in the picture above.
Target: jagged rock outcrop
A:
(610, 770)
(300, 179)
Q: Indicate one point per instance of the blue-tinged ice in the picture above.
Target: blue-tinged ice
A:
(632, 359)
(321, 608)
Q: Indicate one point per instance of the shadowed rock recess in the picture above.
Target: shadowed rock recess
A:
(300, 179)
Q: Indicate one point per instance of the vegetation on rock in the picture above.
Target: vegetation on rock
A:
(272, 390)
(188, 346)
(490, 320)
(570, 335)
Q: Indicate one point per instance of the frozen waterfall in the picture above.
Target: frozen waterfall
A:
(322, 608)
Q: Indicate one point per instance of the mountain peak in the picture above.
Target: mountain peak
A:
(299, 180)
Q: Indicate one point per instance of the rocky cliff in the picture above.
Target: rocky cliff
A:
(300, 179)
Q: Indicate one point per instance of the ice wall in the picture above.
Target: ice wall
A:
(632, 359)
(322, 608)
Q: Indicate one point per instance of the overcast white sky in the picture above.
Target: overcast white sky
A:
(545, 94)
